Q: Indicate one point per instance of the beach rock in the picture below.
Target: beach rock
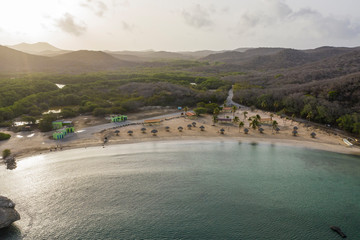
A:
(8, 214)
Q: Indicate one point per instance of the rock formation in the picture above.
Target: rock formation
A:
(8, 214)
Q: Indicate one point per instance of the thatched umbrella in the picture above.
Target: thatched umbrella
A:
(117, 132)
(277, 129)
(143, 130)
(313, 135)
(202, 128)
(194, 124)
(246, 131)
(261, 130)
(180, 129)
(189, 126)
(294, 133)
(167, 128)
(130, 132)
(222, 131)
(154, 131)
(295, 128)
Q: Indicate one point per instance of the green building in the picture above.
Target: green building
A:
(57, 124)
(118, 118)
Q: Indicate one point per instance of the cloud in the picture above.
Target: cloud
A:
(198, 16)
(127, 27)
(277, 17)
(98, 7)
(67, 24)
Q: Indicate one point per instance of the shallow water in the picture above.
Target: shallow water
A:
(185, 190)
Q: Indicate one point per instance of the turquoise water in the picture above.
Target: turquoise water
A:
(185, 190)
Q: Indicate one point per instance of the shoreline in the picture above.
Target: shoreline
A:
(247, 140)
(39, 143)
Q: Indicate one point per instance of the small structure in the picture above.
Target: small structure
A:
(227, 109)
(190, 114)
(265, 121)
(118, 118)
(152, 121)
(59, 124)
(224, 120)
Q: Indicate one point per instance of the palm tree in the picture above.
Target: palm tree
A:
(274, 125)
(271, 116)
(241, 124)
(222, 131)
(130, 132)
(202, 128)
(216, 111)
(313, 135)
(189, 126)
(261, 130)
(309, 116)
(254, 122)
(143, 130)
(167, 128)
(233, 109)
(180, 129)
(215, 118)
(294, 133)
(245, 113)
(117, 132)
(236, 119)
(194, 124)
(154, 131)
(246, 131)
(258, 117)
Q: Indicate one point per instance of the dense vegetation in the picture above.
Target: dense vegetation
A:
(320, 85)
(104, 93)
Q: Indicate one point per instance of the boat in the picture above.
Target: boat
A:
(338, 230)
(347, 142)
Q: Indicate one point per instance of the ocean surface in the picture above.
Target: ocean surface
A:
(184, 190)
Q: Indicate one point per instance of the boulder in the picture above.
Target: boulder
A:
(8, 214)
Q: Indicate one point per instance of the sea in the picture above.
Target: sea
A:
(184, 190)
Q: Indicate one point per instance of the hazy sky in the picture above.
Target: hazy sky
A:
(180, 25)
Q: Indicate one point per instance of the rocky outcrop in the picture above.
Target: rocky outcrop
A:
(8, 214)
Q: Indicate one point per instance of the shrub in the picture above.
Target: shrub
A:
(6, 153)
(4, 136)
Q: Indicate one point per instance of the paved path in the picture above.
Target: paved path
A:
(89, 131)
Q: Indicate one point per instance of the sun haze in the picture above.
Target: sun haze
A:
(180, 25)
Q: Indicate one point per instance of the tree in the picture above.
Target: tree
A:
(241, 124)
(274, 125)
(216, 111)
(200, 110)
(254, 122)
(245, 113)
(215, 119)
(186, 109)
(233, 109)
(236, 119)
(271, 116)
(45, 123)
(6, 153)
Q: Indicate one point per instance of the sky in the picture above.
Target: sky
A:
(181, 25)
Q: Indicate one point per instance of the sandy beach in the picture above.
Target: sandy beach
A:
(24, 144)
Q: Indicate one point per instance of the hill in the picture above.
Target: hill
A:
(75, 62)
(40, 48)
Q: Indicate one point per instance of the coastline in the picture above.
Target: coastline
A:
(40, 143)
